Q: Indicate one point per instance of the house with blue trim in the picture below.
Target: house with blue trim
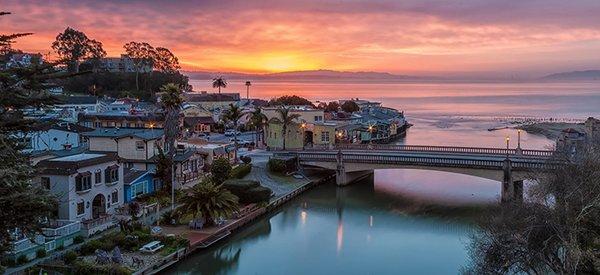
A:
(138, 183)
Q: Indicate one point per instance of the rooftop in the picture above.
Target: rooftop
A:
(78, 157)
(78, 100)
(145, 134)
(70, 164)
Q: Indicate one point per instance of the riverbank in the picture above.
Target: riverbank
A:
(550, 130)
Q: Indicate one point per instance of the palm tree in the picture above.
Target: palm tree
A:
(285, 119)
(258, 119)
(248, 89)
(219, 82)
(171, 100)
(209, 201)
(233, 115)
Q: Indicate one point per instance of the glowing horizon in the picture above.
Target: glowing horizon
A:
(405, 37)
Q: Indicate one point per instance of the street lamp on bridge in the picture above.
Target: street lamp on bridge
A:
(507, 145)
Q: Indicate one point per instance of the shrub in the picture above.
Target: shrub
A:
(277, 165)
(70, 257)
(78, 239)
(220, 170)
(40, 253)
(246, 159)
(248, 191)
(8, 262)
(241, 171)
(91, 246)
(60, 247)
(168, 216)
(22, 260)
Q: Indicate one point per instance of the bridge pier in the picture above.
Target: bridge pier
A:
(512, 191)
(342, 177)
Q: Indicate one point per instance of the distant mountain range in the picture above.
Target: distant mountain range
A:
(311, 75)
(575, 75)
(331, 75)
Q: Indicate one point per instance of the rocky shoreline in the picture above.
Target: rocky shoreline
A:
(550, 130)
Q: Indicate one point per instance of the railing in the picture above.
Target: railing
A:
(436, 149)
(90, 224)
(60, 228)
(188, 176)
(458, 161)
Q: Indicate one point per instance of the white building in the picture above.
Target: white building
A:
(88, 186)
(56, 137)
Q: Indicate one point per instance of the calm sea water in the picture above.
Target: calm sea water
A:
(368, 228)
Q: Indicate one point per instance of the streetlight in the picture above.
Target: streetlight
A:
(519, 138)
(371, 128)
(507, 144)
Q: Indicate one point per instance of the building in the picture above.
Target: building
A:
(56, 137)
(138, 120)
(122, 64)
(55, 234)
(137, 148)
(88, 186)
(212, 101)
(23, 60)
(197, 119)
(307, 113)
(139, 183)
(80, 103)
(362, 104)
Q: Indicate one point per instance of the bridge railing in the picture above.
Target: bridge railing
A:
(436, 149)
(415, 160)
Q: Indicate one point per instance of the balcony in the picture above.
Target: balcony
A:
(60, 228)
(91, 227)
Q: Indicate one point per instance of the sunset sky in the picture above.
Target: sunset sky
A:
(419, 37)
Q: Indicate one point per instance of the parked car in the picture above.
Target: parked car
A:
(151, 247)
(231, 132)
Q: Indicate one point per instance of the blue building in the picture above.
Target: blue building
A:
(138, 183)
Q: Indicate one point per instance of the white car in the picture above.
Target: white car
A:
(151, 247)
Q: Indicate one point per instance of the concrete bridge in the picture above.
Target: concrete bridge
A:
(352, 162)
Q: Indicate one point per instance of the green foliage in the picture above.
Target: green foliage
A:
(119, 84)
(277, 165)
(241, 171)
(350, 106)
(60, 247)
(22, 260)
(40, 253)
(248, 191)
(74, 46)
(246, 159)
(91, 246)
(209, 201)
(83, 267)
(219, 83)
(220, 170)
(333, 106)
(163, 169)
(78, 239)
(8, 262)
(290, 100)
(70, 257)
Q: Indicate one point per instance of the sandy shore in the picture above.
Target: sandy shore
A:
(550, 130)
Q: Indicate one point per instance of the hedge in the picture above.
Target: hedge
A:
(248, 191)
(241, 171)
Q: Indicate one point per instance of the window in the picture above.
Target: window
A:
(138, 189)
(97, 124)
(80, 208)
(98, 177)
(325, 136)
(45, 181)
(139, 145)
(128, 164)
(111, 174)
(115, 196)
(318, 118)
(83, 182)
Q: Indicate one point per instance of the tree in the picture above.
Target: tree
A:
(74, 46)
(171, 100)
(350, 106)
(165, 61)
(220, 170)
(142, 55)
(219, 83)
(333, 106)
(555, 231)
(258, 120)
(6, 40)
(23, 204)
(164, 166)
(209, 201)
(285, 119)
(290, 100)
(322, 105)
(233, 115)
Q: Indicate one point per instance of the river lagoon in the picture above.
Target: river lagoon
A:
(376, 226)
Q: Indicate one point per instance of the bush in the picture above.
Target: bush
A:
(220, 170)
(22, 260)
(70, 257)
(91, 246)
(241, 171)
(40, 253)
(60, 247)
(277, 165)
(246, 159)
(248, 191)
(78, 239)
(8, 262)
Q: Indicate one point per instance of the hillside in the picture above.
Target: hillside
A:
(310, 75)
(575, 75)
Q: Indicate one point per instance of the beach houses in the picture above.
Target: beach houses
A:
(88, 186)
